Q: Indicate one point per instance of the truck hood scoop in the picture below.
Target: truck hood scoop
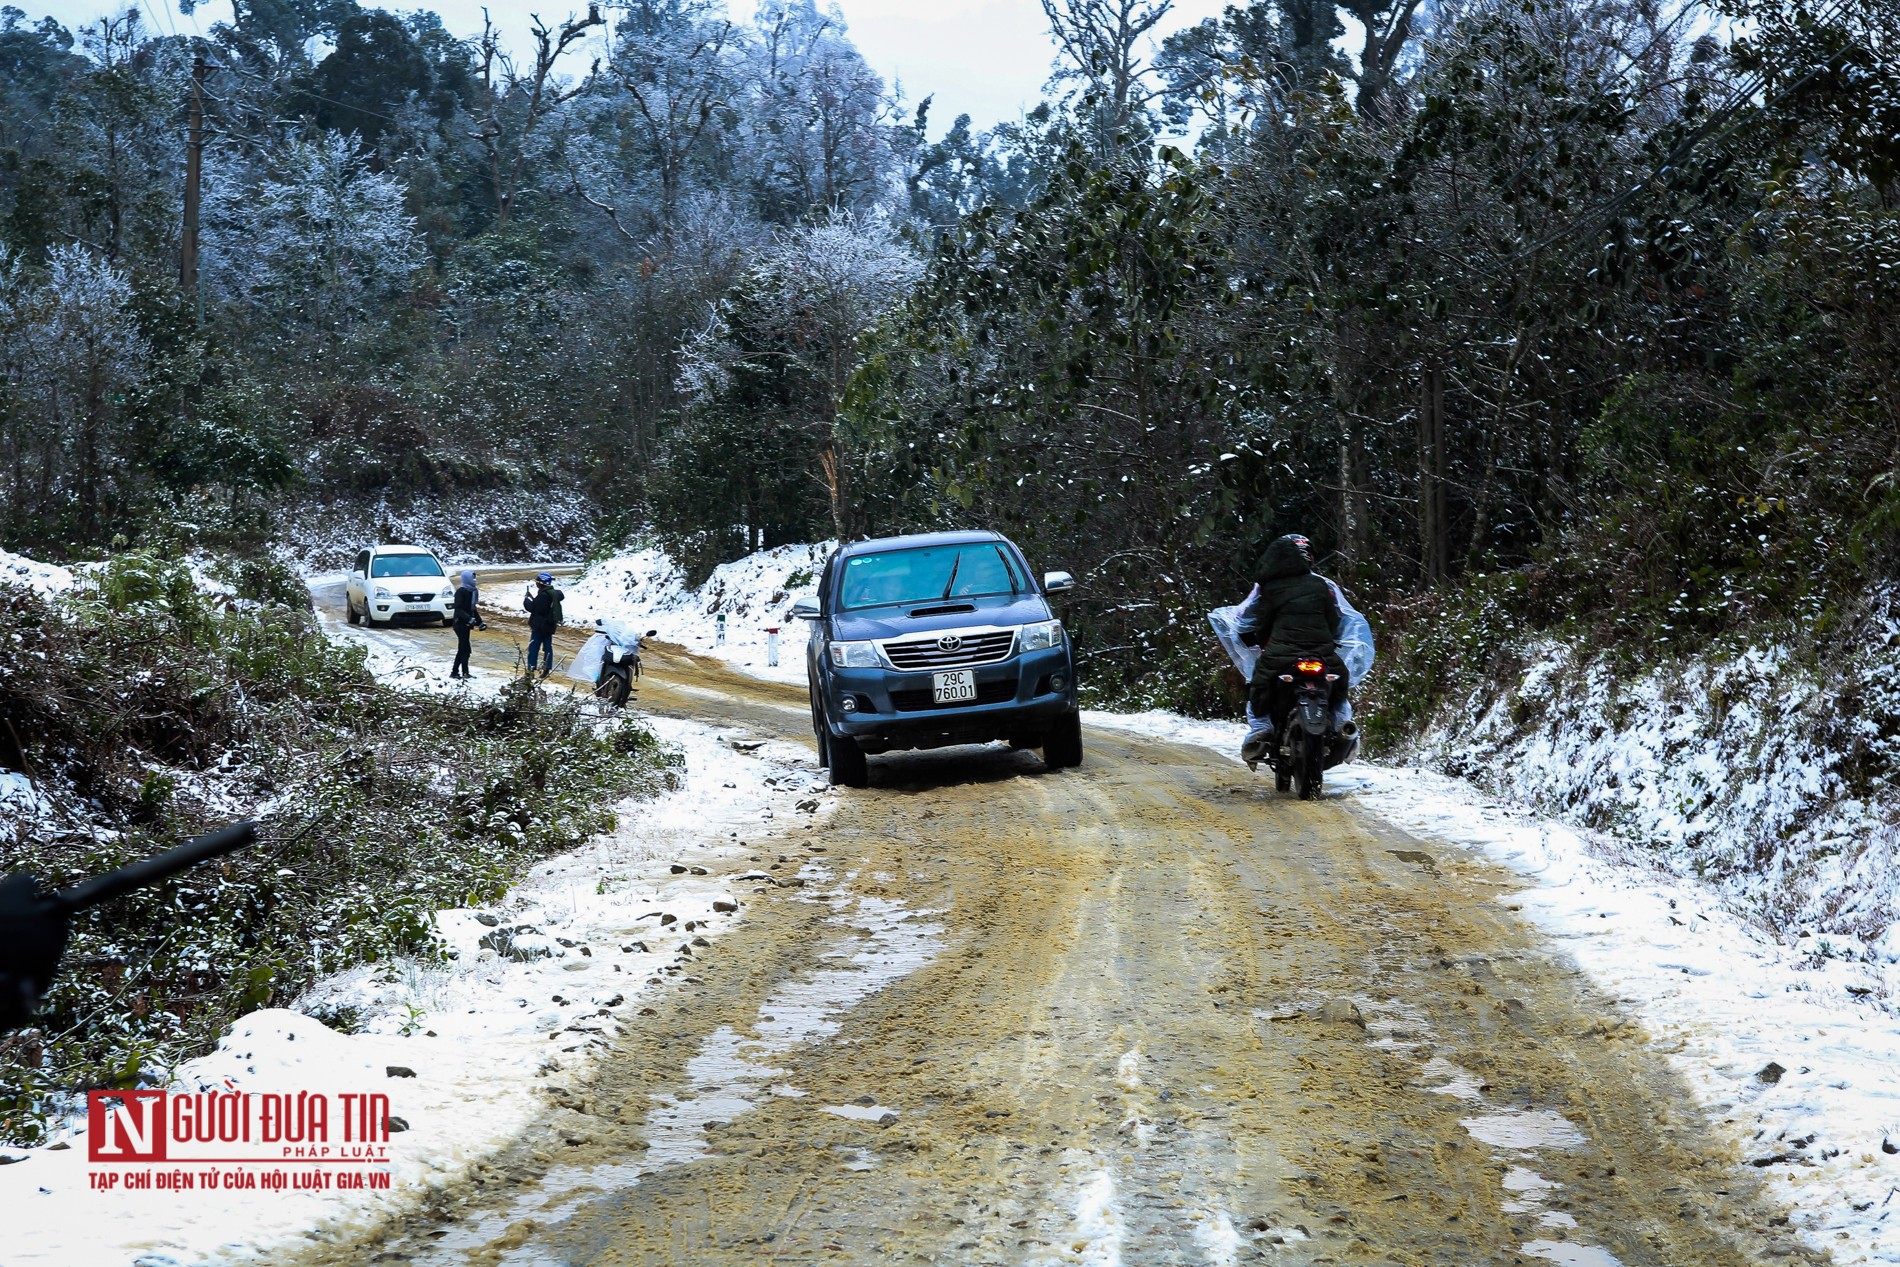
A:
(943, 609)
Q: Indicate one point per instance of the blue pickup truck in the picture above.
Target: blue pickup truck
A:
(941, 638)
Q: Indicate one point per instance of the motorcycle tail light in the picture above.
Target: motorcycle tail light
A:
(1310, 666)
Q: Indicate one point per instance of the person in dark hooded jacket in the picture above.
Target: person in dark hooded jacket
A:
(1294, 616)
(468, 615)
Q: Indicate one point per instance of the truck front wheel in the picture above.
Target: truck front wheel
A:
(848, 765)
(1062, 746)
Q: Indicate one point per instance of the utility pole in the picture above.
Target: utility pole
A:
(194, 180)
(1434, 527)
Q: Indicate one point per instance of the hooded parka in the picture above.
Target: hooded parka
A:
(1295, 614)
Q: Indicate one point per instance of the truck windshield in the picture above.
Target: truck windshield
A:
(928, 574)
(405, 565)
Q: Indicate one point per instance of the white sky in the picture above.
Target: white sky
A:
(988, 58)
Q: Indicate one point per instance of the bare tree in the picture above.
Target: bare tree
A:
(672, 65)
(516, 105)
(1101, 43)
(1387, 25)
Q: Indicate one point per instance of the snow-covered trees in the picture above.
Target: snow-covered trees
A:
(318, 239)
(767, 377)
(675, 61)
(70, 350)
(817, 137)
(494, 248)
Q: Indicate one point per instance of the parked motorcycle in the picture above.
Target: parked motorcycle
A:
(615, 654)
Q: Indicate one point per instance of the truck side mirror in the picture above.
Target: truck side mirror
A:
(1057, 582)
(806, 609)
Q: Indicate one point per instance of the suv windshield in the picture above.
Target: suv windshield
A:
(928, 574)
(405, 565)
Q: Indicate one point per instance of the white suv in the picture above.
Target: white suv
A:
(391, 581)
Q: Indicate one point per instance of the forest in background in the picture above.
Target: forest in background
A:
(1538, 313)
(425, 262)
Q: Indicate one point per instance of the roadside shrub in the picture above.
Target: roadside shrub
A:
(144, 713)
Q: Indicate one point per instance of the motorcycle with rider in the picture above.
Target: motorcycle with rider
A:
(1301, 646)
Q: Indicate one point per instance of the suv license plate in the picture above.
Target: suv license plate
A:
(953, 688)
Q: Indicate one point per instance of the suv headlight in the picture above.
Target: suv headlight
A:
(1040, 636)
(855, 655)
(448, 595)
(382, 592)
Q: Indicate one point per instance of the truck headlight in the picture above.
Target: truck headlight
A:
(1040, 636)
(855, 655)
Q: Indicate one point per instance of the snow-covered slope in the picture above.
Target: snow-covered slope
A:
(496, 526)
(1749, 767)
(754, 594)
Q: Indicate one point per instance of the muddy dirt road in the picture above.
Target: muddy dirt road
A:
(1143, 1012)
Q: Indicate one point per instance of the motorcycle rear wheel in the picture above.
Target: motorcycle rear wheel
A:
(1308, 766)
(614, 689)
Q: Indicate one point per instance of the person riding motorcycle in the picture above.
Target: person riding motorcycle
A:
(1294, 615)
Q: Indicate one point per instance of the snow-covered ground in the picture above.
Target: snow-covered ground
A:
(1794, 1050)
(648, 589)
(42, 578)
(1747, 766)
(486, 1036)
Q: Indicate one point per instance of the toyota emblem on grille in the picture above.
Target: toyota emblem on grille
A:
(949, 642)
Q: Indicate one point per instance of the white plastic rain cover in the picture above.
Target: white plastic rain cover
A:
(586, 666)
(1355, 637)
(617, 630)
(1226, 622)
